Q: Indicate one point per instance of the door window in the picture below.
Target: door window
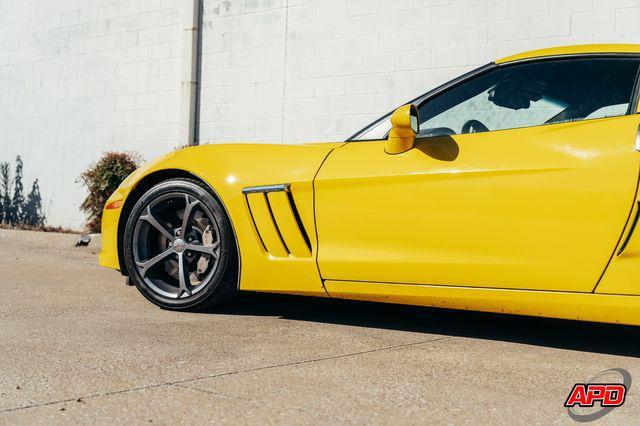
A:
(532, 94)
(526, 94)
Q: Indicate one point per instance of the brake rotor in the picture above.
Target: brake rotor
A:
(203, 261)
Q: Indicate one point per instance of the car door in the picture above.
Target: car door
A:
(523, 178)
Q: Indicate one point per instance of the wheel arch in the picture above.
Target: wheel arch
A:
(146, 183)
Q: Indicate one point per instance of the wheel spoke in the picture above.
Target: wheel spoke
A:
(183, 275)
(188, 213)
(145, 265)
(149, 217)
(206, 249)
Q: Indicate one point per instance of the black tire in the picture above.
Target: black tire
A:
(219, 285)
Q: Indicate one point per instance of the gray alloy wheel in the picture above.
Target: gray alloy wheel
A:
(179, 246)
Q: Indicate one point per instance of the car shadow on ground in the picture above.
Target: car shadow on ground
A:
(574, 335)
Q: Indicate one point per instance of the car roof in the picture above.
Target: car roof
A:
(581, 49)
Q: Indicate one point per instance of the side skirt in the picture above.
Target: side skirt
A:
(606, 308)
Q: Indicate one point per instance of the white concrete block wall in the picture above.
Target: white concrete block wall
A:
(315, 70)
(81, 77)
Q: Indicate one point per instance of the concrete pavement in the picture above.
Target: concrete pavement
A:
(78, 346)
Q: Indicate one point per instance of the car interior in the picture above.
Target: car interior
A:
(530, 94)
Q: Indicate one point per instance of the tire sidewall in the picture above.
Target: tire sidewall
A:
(209, 202)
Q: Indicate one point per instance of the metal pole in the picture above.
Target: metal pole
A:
(189, 72)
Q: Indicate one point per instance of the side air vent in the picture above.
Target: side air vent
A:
(277, 220)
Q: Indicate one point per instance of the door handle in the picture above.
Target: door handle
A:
(631, 229)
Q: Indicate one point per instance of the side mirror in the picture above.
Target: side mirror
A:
(404, 128)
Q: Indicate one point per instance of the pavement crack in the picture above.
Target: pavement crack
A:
(253, 401)
(224, 374)
(312, 360)
(218, 394)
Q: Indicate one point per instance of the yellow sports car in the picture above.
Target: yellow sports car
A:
(513, 188)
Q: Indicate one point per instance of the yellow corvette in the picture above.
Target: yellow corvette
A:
(513, 188)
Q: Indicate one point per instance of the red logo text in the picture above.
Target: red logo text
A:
(587, 394)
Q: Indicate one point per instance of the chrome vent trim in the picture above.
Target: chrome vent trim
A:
(267, 188)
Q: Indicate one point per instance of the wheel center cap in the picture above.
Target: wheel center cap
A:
(179, 245)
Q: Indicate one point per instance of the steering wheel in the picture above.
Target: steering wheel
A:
(474, 126)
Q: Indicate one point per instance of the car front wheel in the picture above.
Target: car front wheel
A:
(179, 247)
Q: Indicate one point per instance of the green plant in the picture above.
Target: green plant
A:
(32, 209)
(5, 189)
(17, 211)
(102, 179)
